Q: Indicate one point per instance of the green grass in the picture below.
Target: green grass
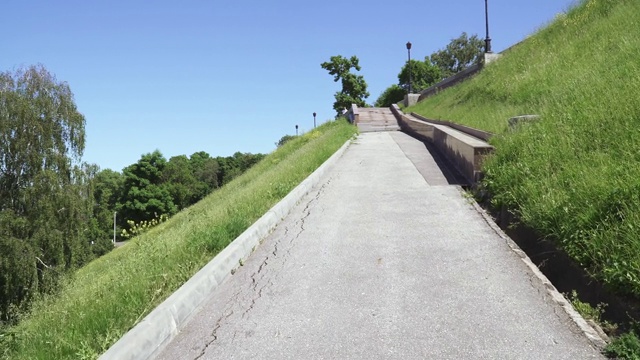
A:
(575, 175)
(110, 295)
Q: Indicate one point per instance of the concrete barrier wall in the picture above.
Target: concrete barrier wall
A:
(459, 77)
(450, 81)
(464, 151)
(480, 134)
(353, 114)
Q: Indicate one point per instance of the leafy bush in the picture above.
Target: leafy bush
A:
(392, 95)
(626, 346)
(137, 229)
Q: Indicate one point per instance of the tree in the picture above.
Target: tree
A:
(459, 54)
(144, 197)
(45, 200)
(233, 166)
(107, 191)
(285, 139)
(354, 88)
(205, 170)
(178, 178)
(423, 75)
(392, 95)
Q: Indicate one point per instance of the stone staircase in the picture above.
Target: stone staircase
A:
(376, 119)
(463, 147)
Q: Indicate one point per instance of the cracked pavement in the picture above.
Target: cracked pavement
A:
(375, 263)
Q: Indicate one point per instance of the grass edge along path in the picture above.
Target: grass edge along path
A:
(106, 298)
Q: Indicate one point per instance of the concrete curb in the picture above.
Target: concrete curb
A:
(163, 323)
(592, 334)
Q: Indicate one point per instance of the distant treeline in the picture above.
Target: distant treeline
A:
(56, 212)
(154, 186)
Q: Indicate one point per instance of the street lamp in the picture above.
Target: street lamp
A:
(314, 120)
(487, 40)
(409, 63)
(296, 130)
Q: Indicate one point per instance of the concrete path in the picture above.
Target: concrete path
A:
(428, 161)
(376, 263)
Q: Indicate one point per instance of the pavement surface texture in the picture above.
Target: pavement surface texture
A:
(382, 262)
(429, 162)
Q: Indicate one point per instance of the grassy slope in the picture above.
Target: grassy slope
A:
(575, 175)
(111, 294)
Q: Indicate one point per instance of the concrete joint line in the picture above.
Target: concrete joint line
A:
(591, 334)
(163, 323)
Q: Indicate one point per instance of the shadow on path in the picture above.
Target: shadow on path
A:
(429, 162)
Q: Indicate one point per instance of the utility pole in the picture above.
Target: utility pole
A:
(114, 228)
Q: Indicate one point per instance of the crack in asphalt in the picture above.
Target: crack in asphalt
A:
(214, 334)
(261, 274)
(306, 212)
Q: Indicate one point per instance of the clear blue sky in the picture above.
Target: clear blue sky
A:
(225, 76)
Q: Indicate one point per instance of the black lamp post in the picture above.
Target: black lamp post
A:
(314, 120)
(296, 130)
(487, 40)
(409, 63)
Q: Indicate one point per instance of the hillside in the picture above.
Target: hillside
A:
(108, 296)
(574, 175)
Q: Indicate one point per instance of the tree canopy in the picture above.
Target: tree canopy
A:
(354, 88)
(143, 197)
(206, 171)
(283, 140)
(56, 212)
(458, 55)
(391, 95)
(423, 75)
(44, 198)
